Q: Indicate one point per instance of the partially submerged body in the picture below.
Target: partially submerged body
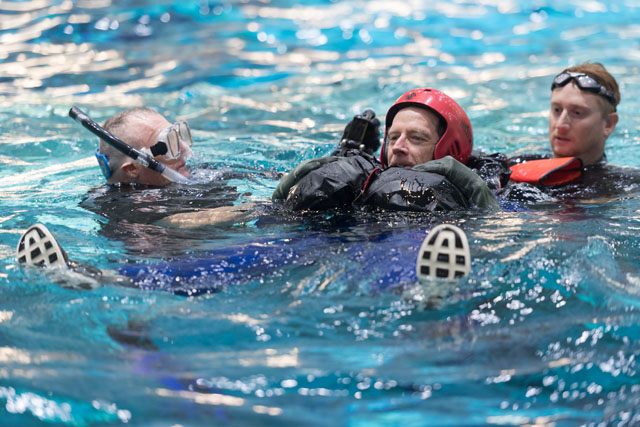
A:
(598, 181)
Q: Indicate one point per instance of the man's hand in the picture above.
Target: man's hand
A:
(468, 182)
(225, 215)
(362, 133)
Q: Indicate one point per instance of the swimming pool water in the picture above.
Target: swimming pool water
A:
(316, 319)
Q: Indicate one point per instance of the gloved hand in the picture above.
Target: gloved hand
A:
(362, 133)
(288, 181)
(467, 181)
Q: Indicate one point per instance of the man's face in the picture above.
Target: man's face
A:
(147, 131)
(577, 126)
(413, 136)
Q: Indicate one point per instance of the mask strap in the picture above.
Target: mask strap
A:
(103, 161)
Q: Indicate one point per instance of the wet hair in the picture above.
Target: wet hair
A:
(119, 126)
(598, 72)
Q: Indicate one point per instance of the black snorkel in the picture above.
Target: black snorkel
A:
(140, 157)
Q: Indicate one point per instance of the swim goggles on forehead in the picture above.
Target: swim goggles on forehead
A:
(168, 144)
(584, 82)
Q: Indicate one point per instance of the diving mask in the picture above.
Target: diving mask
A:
(169, 139)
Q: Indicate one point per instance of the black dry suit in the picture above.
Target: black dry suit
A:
(357, 178)
(596, 181)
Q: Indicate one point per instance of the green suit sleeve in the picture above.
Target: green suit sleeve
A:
(469, 183)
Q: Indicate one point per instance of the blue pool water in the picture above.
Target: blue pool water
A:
(317, 319)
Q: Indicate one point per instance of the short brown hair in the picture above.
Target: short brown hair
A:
(598, 72)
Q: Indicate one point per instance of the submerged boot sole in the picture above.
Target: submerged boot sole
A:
(444, 254)
(38, 247)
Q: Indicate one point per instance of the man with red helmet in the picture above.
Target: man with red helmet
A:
(427, 144)
(424, 125)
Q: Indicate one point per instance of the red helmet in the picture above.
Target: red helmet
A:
(457, 140)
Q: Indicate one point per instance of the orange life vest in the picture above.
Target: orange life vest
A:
(554, 171)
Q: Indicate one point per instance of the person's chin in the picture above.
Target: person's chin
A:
(563, 147)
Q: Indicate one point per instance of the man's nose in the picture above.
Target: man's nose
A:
(563, 120)
(401, 143)
(185, 150)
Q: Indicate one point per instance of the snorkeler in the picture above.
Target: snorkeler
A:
(144, 130)
(139, 153)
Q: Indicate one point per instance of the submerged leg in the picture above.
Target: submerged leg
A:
(444, 254)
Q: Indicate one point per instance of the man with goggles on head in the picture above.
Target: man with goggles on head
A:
(583, 112)
(146, 130)
(581, 118)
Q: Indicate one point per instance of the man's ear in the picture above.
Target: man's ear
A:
(131, 170)
(610, 123)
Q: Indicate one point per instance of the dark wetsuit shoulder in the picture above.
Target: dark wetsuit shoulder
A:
(144, 204)
(600, 180)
